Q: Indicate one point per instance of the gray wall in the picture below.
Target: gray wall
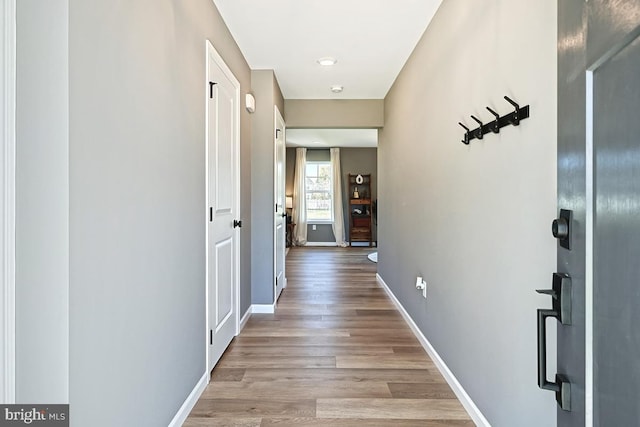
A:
(290, 171)
(42, 202)
(322, 234)
(352, 160)
(137, 204)
(334, 113)
(267, 93)
(474, 220)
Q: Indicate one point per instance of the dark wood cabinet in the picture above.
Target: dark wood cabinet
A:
(360, 225)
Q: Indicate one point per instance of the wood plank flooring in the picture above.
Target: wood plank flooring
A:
(335, 353)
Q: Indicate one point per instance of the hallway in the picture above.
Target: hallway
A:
(335, 353)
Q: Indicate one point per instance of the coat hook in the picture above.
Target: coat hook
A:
(466, 134)
(479, 130)
(496, 126)
(516, 119)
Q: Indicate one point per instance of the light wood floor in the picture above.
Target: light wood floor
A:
(335, 353)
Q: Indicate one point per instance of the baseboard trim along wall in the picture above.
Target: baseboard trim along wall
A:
(245, 319)
(263, 308)
(460, 393)
(321, 244)
(187, 406)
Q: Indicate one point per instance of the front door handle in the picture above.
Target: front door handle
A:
(561, 386)
(237, 224)
(561, 311)
(560, 293)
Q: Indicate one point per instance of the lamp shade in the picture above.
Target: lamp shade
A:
(289, 202)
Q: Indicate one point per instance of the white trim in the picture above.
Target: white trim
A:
(460, 393)
(7, 296)
(263, 308)
(274, 203)
(210, 51)
(245, 319)
(588, 285)
(206, 208)
(277, 216)
(190, 402)
(321, 244)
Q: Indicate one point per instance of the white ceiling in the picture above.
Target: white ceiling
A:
(371, 39)
(327, 138)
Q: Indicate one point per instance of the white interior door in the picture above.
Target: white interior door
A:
(223, 205)
(280, 222)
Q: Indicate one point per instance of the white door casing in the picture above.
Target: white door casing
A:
(7, 202)
(223, 205)
(280, 206)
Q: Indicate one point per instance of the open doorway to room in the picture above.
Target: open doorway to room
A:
(315, 210)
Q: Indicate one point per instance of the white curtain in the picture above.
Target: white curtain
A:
(338, 216)
(299, 212)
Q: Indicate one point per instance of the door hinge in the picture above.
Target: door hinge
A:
(211, 85)
(210, 336)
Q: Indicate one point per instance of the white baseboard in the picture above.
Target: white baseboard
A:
(245, 319)
(462, 395)
(187, 406)
(321, 244)
(263, 308)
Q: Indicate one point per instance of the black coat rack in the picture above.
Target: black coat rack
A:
(513, 118)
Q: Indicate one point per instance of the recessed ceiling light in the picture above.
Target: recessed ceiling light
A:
(327, 61)
(337, 88)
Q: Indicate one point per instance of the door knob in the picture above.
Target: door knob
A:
(237, 224)
(561, 228)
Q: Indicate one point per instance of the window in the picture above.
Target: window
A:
(319, 194)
